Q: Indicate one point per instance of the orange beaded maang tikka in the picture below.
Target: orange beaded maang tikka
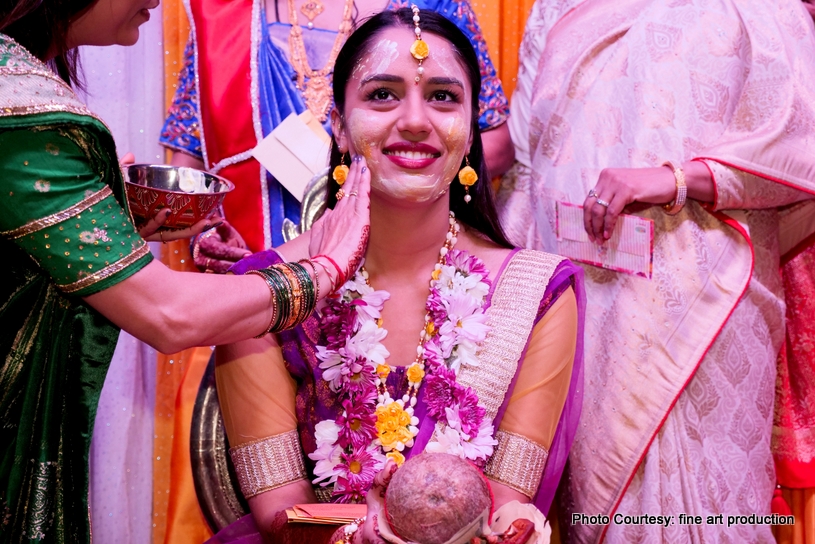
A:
(419, 48)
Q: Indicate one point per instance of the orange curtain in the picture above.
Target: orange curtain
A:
(177, 517)
(502, 23)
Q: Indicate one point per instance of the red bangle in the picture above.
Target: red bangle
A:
(340, 278)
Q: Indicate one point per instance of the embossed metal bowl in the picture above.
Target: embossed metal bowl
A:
(152, 187)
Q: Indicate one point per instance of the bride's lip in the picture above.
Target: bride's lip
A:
(411, 155)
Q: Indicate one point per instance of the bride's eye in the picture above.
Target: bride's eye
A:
(444, 96)
(380, 95)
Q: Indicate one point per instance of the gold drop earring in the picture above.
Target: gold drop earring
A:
(467, 177)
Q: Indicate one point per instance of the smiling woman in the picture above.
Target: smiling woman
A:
(485, 364)
(110, 22)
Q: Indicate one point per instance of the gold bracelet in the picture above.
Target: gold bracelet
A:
(268, 463)
(676, 205)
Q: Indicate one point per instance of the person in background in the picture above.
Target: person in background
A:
(700, 117)
(248, 66)
(77, 270)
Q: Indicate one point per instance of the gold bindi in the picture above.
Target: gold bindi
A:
(419, 49)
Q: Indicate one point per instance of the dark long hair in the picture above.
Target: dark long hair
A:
(41, 26)
(480, 213)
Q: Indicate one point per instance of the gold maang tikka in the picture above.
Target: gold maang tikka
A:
(419, 49)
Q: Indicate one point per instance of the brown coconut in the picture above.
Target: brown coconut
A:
(433, 496)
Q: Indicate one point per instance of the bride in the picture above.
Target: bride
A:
(446, 339)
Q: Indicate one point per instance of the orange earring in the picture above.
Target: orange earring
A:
(340, 173)
(467, 177)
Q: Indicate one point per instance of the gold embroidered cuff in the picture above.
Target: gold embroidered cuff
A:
(59, 217)
(517, 462)
(268, 463)
(106, 272)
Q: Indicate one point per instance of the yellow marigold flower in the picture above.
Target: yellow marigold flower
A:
(430, 328)
(382, 371)
(467, 176)
(397, 457)
(415, 374)
(340, 174)
(436, 274)
(419, 50)
(391, 425)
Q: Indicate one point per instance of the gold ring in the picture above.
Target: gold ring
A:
(340, 195)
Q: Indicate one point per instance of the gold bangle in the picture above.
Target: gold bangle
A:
(676, 205)
(297, 294)
(274, 304)
(316, 275)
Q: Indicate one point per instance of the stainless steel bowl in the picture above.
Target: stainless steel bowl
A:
(152, 187)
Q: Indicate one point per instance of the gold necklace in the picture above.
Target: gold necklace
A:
(311, 9)
(317, 90)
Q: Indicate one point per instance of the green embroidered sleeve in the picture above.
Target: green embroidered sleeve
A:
(58, 207)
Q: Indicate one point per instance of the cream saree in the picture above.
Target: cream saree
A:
(680, 369)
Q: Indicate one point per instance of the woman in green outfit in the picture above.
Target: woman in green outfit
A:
(76, 269)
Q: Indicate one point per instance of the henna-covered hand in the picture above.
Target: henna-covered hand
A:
(358, 255)
(219, 248)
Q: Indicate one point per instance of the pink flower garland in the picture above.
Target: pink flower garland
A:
(348, 451)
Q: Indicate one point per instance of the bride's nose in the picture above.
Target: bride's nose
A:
(413, 120)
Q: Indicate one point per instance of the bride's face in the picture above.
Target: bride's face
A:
(412, 135)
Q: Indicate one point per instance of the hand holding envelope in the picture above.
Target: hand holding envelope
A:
(630, 248)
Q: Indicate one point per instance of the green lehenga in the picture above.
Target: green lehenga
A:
(65, 233)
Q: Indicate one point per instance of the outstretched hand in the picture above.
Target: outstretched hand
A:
(342, 233)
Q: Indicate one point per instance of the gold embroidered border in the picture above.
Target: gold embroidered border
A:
(512, 313)
(324, 494)
(268, 463)
(121, 264)
(517, 462)
(59, 217)
(31, 96)
(793, 444)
